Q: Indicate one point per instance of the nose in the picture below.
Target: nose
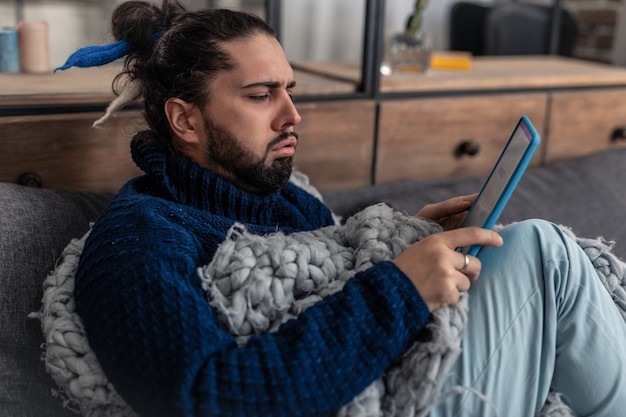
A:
(288, 115)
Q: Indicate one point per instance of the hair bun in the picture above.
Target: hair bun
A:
(136, 22)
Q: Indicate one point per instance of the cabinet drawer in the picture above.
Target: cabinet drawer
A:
(421, 138)
(582, 122)
(67, 153)
(335, 148)
(336, 143)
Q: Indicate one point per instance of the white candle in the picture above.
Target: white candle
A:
(34, 46)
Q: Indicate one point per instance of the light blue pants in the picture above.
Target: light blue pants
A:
(539, 318)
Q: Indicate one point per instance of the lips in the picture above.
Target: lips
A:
(286, 148)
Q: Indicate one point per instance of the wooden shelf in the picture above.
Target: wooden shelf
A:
(493, 73)
(93, 86)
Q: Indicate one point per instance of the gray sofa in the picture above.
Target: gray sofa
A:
(587, 194)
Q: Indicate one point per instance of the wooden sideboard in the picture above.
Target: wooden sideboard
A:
(45, 132)
(417, 126)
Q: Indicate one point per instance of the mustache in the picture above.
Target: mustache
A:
(282, 137)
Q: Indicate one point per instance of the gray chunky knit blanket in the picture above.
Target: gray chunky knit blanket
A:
(255, 283)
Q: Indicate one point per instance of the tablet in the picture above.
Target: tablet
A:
(503, 179)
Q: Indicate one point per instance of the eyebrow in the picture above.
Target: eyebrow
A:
(269, 84)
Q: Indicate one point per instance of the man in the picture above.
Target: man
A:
(217, 91)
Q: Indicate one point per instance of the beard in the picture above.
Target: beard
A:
(241, 166)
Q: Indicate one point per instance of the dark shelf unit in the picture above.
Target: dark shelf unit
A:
(373, 46)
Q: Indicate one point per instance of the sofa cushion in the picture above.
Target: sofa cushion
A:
(35, 225)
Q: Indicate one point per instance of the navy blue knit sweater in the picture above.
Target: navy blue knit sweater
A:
(155, 334)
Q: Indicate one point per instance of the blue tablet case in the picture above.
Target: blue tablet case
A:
(503, 179)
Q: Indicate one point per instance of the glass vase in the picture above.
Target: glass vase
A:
(410, 52)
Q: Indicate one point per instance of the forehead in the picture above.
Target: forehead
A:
(259, 57)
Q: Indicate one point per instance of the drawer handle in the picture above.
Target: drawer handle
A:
(30, 179)
(619, 134)
(467, 147)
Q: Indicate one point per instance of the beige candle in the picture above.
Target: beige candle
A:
(34, 46)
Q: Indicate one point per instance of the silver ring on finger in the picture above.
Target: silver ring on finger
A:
(466, 262)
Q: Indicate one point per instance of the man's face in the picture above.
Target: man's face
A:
(250, 117)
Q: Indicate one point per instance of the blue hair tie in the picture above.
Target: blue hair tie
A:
(95, 55)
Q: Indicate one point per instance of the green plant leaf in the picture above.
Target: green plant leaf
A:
(414, 23)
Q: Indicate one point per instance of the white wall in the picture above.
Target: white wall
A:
(313, 29)
(324, 30)
(72, 24)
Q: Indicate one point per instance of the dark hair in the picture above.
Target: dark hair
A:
(185, 57)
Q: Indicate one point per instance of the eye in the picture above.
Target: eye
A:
(262, 97)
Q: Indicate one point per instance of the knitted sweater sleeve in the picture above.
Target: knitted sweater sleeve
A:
(156, 336)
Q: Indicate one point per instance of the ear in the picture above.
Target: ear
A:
(186, 121)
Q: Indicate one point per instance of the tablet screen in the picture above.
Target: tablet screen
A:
(500, 176)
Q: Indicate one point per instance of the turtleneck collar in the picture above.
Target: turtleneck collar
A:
(192, 185)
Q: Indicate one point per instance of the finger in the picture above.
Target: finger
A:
(463, 284)
(470, 267)
(447, 208)
(466, 262)
(468, 236)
